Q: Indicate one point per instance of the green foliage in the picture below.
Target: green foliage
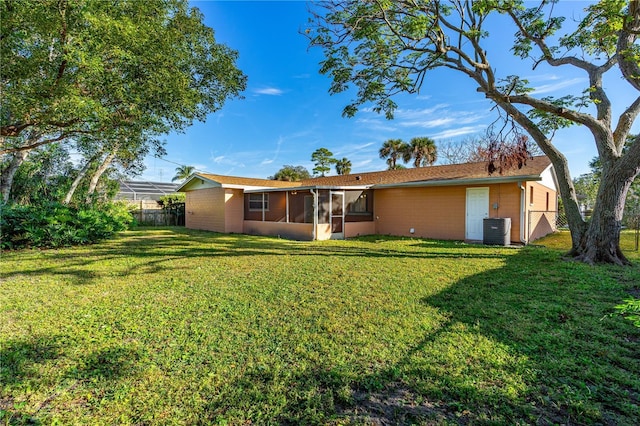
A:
(392, 150)
(108, 77)
(291, 174)
(422, 150)
(598, 33)
(188, 327)
(323, 159)
(183, 172)
(51, 224)
(89, 64)
(168, 201)
(586, 187)
(630, 309)
(343, 166)
(44, 176)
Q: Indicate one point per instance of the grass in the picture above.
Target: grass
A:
(175, 326)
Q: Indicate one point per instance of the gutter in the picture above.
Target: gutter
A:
(456, 182)
(315, 214)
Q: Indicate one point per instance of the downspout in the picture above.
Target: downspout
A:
(287, 205)
(315, 213)
(523, 193)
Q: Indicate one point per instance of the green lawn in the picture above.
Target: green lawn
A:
(176, 326)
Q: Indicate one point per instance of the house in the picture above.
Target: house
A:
(442, 202)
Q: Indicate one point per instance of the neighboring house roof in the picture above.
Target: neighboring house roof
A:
(435, 175)
(138, 190)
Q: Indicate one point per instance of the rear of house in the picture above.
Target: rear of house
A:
(442, 202)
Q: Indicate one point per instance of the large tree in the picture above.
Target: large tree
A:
(322, 159)
(388, 47)
(107, 70)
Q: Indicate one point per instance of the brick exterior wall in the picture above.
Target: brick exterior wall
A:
(440, 212)
(205, 209)
(541, 221)
(234, 211)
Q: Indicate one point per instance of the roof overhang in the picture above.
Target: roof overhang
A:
(193, 180)
(307, 188)
(457, 182)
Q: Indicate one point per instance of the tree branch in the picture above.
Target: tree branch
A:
(626, 120)
(31, 146)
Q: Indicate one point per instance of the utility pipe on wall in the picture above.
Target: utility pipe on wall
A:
(523, 194)
(315, 213)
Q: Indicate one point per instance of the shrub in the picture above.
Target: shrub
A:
(54, 225)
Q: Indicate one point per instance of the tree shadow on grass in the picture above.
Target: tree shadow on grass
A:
(529, 343)
(150, 253)
(22, 361)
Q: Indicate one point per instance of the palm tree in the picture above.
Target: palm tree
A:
(183, 172)
(343, 167)
(422, 150)
(391, 150)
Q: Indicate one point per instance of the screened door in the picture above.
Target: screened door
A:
(337, 215)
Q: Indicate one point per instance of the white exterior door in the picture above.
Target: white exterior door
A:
(477, 210)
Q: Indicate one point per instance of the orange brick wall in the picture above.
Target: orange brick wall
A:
(440, 212)
(540, 224)
(205, 209)
(508, 197)
(234, 211)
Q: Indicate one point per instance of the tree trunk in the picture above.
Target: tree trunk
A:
(78, 179)
(98, 173)
(6, 180)
(601, 242)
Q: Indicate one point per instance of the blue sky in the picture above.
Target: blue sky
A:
(287, 112)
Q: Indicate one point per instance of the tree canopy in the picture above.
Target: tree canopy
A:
(392, 150)
(323, 159)
(114, 71)
(384, 48)
(183, 172)
(291, 174)
(343, 166)
(421, 150)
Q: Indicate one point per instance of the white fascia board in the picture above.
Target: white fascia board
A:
(306, 188)
(202, 179)
(250, 188)
(457, 182)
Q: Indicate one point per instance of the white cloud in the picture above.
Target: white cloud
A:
(271, 91)
(459, 131)
(553, 87)
(376, 124)
(412, 114)
(222, 160)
